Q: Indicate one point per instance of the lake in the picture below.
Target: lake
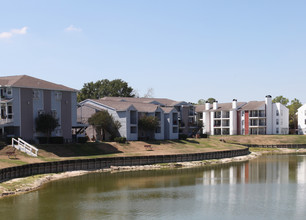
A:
(269, 187)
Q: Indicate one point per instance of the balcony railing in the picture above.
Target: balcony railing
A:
(6, 121)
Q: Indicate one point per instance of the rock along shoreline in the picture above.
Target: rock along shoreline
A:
(32, 183)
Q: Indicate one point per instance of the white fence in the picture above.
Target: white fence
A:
(25, 147)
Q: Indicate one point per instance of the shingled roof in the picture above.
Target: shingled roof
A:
(24, 81)
(162, 101)
(253, 105)
(221, 106)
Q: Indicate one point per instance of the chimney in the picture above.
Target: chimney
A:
(207, 105)
(234, 104)
(215, 105)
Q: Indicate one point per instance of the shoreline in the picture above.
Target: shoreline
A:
(19, 186)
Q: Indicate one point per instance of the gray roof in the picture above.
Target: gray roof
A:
(253, 105)
(162, 101)
(221, 106)
(123, 106)
(167, 110)
(24, 81)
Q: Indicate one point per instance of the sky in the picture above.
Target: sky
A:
(184, 50)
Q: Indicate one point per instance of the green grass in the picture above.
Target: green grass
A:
(13, 161)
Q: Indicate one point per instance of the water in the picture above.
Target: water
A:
(270, 187)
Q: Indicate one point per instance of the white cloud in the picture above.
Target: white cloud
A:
(12, 32)
(73, 28)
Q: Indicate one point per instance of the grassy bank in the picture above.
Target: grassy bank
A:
(49, 153)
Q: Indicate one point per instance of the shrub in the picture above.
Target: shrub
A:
(120, 140)
(204, 135)
(56, 140)
(82, 140)
(42, 140)
(183, 136)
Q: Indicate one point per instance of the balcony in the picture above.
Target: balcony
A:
(6, 121)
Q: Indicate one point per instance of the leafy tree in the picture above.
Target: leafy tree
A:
(281, 99)
(293, 107)
(201, 102)
(104, 122)
(46, 123)
(104, 87)
(148, 124)
(211, 100)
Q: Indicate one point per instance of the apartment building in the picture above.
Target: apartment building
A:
(23, 98)
(244, 118)
(187, 123)
(128, 114)
(302, 119)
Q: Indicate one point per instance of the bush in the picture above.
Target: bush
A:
(120, 140)
(204, 135)
(56, 140)
(82, 140)
(183, 136)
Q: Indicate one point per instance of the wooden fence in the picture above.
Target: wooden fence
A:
(101, 163)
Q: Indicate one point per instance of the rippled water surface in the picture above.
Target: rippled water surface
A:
(270, 187)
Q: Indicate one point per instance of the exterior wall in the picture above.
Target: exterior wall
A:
(38, 105)
(238, 122)
(171, 124)
(74, 108)
(302, 119)
(212, 132)
(47, 101)
(269, 115)
(246, 122)
(56, 107)
(233, 122)
(206, 122)
(167, 119)
(84, 112)
(16, 107)
(161, 134)
(280, 119)
(66, 116)
(27, 120)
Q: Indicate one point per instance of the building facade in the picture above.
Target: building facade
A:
(302, 119)
(244, 118)
(128, 113)
(23, 98)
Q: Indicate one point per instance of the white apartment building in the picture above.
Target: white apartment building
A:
(244, 118)
(302, 119)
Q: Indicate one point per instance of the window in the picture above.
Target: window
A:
(277, 113)
(277, 130)
(54, 113)
(58, 96)
(277, 122)
(35, 94)
(157, 130)
(175, 130)
(305, 121)
(242, 123)
(133, 130)
(9, 91)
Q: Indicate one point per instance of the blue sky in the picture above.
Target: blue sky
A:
(184, 50)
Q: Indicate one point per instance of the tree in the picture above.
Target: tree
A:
(201, 102)
(281, 99)
(46, 123)
(211, 100)
(104, 122)
(293, 108)
(104, 87)
(149, 94)
(148, 124)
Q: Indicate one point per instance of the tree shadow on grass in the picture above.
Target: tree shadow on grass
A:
(187, 141)
(79, 150)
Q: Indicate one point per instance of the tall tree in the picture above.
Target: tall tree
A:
(211, 100)
(104, 122)
(148, 124)
(201, 102)
(104, 87)
(293, 107)
(281, 99)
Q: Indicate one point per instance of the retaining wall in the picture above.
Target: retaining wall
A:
(276, 145)
(101, 163)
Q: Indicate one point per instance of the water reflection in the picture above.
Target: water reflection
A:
(270, 187)
(266, 169)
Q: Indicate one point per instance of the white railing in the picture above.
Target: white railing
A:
(25, 147)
